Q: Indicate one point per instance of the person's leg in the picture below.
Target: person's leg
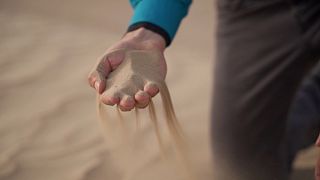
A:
(304, 116)
(262, 56)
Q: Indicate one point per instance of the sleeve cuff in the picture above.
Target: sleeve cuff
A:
(162, 17)
(152, 27)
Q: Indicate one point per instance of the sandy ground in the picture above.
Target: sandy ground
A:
(48, 123)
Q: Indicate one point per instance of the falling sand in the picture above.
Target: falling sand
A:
(137, 69)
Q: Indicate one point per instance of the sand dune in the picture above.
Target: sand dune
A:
(48, 123)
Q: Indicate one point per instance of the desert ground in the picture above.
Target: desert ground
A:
(48, 123)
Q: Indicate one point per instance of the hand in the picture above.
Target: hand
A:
(140, 39)
(317, 169)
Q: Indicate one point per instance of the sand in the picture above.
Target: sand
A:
(48, 123)
(138, 69)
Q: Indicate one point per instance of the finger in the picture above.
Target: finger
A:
(110, 98)
(103, 69)
(151, 88)
(97, 78)
(97, 81)
(91, 80)
(142, 99)
(126, 103)
(108, 63)
(115, 58)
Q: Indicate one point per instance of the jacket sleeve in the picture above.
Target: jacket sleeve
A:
(160, 16)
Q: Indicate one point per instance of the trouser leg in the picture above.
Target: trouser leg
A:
(262, 57)
(304, 116)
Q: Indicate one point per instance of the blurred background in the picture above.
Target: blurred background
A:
(48, 123)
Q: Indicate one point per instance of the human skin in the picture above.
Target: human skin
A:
(140, 39)
(317, 169)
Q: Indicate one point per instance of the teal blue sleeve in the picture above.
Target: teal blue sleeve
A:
(167, 14)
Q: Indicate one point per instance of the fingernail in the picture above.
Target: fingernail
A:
(96, 85)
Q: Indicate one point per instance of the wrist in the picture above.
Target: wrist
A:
(145, 39)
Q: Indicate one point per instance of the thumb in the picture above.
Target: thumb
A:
(97, 77)
(109, 62)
